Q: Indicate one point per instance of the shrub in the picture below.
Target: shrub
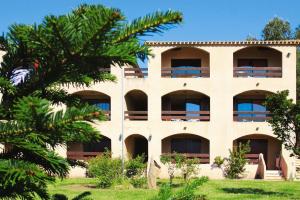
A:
(135, 167)
(106, 169)
(138, 182)
(188, 167)
(186, 193)
(172, 161)
(236, 162)
(219, 161)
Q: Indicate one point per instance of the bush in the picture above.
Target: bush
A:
(172, 161)
(106, 169)
(186, 193)
(138, 182)
(135, 167)
(189, 167)
(219, 161)
(236, 162)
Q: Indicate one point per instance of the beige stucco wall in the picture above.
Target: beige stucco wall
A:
(221, 87)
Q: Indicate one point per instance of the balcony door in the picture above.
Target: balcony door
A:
(185, 145)
(181, 67)
(251, 63)
(251, 106)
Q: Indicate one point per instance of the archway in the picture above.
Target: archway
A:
(137, 145)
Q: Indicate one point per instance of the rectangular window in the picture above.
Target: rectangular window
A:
(251, 106)
(250, 63)
(102, 104)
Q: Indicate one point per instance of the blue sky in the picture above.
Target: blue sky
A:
(203, 20)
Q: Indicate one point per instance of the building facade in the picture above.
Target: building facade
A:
(196, 98)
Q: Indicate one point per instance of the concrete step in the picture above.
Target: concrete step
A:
(273, 175)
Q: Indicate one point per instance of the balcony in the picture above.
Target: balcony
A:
(100, 100)
(135, 72)
(185, 105)
(249, 107)
(85, 151)
(136, 105)
(185, 62)
(189, 145)
(257, 62)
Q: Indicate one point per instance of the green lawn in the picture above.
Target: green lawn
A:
(214, 189)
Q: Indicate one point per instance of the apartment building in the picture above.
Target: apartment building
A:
(196, 98)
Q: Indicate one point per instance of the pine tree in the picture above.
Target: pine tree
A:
(64, 50)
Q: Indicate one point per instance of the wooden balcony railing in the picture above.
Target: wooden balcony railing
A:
(136, 115)
(248, 116)
(190, 72)
(203, 157)
(107, 114)
(185, 115)
(136, 72)
(80, 155)
(258, 72)
(252, 158)
(105, 70)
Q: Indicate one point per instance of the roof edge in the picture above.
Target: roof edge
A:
(223, 43)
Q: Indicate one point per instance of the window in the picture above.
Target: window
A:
(102, 104)
(100, 146)
(182, 64)
(183, 145)
(251, 106)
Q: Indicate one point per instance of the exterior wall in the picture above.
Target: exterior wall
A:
(221, 87)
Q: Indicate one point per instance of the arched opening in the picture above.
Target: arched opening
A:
(84, 151)
(99, 99)
(193, 146)
(249, 106)
(137, 145)
(259, 62)
(261, 144)
(185, 105)
(137, 105)
(185, 62)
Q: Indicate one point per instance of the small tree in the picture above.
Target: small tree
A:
(236, 162)
(189, 167)
(172, 161)
(277, 29)
(285, 120)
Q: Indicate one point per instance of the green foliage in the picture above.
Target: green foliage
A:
(71, 49)
(186, 193)
(106, 169)
(135, 167)
(285, 120)
(219, 161)
(236, 162)
(188, 167)
(138, 182)
(172, 161)
(277, 29)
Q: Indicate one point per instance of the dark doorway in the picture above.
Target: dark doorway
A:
(258, 146)
(140, 147)
(183, 145)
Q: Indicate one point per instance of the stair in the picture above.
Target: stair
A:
(298, 169)
(273, 175)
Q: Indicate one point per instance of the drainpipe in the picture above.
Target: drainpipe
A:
(122, 122)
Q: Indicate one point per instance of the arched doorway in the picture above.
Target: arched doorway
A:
(137, 105)
(262, 144)
(137, 145)
(258, 62)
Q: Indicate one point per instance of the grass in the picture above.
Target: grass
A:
(214, 189)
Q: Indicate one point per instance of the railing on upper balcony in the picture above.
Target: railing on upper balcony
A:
(136, 115)
(191, 116)
(252, 158)
(136, 72)
(203, 157)
(248, 116)
(258, 72)
(185, 72)
(80, 155)
(107, 115)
